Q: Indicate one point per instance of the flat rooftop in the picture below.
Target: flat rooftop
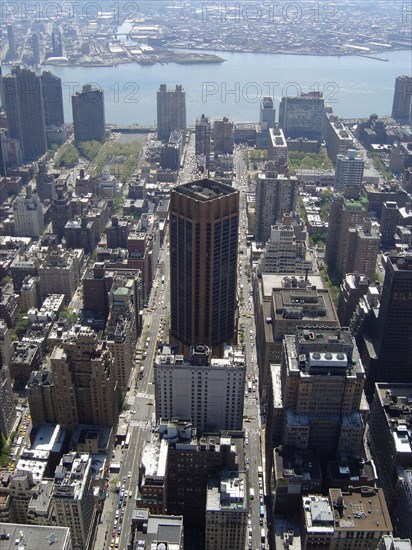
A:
(227, 493)
(363, 509)
(33, 537)
(49, 437)
(272, 281)
(205, 190)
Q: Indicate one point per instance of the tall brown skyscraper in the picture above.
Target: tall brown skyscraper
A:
(204, 217)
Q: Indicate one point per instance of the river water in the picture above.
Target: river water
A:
(354, 86)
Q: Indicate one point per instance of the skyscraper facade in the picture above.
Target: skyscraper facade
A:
(2, 159)
(393, 334)
(208, 391)
(88, 114)
(8, 413)
(267, 113)
(52, 98)
(84, 380)
(73, 498)
(35, 46)
(28, 215)
(348, 170)
(23, 102)
(171, 111)
(402, 98)
(202, 137)
(322, 381)
(344, 214)
(275, 196)
(11, 54)
(223, 136)
(57, 47)
(204, 218)
(302, 116)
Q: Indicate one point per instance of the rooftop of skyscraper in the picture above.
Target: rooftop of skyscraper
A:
(71, 476)
(228, 492)
(205, 189)
(401, 261)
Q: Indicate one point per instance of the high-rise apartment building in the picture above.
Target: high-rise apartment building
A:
(60, 213)
(117, 231)
(52, 98)
(206, 390)
(321, 387)
(8, 413)
(23, 102)
(226, 511)
(348, 170)
(388, 353)
(223, 137)
(353, 286)
(73, 499)
(3, 169)
(84, 380)
(11, 53)
(35, 47)
(121, 328)
(88, 114)
(171, 111)
(402, 98)
(202, 137)
(390, 218)
(57, 46)
(344, 214)
(175, 468)
(284, 303)
(283, 253)
(267, 113)
(302, 116)
(59, 272)
(338, 138)
(390, 438)
(275, 195)
(28, 215)
(277, 146)
(6, 346)
(204, 219)
(362, 249)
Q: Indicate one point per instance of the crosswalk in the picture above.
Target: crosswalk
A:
(143, 395)
(141, 424)
(140, 395)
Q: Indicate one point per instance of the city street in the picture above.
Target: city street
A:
(140, 402)
(115, 526)
(252, 421)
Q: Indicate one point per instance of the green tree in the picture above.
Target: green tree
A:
(22, 324)
(89, 149)
(67, 157)
(53, 148)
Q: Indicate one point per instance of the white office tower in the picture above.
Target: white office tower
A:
(205, 390)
